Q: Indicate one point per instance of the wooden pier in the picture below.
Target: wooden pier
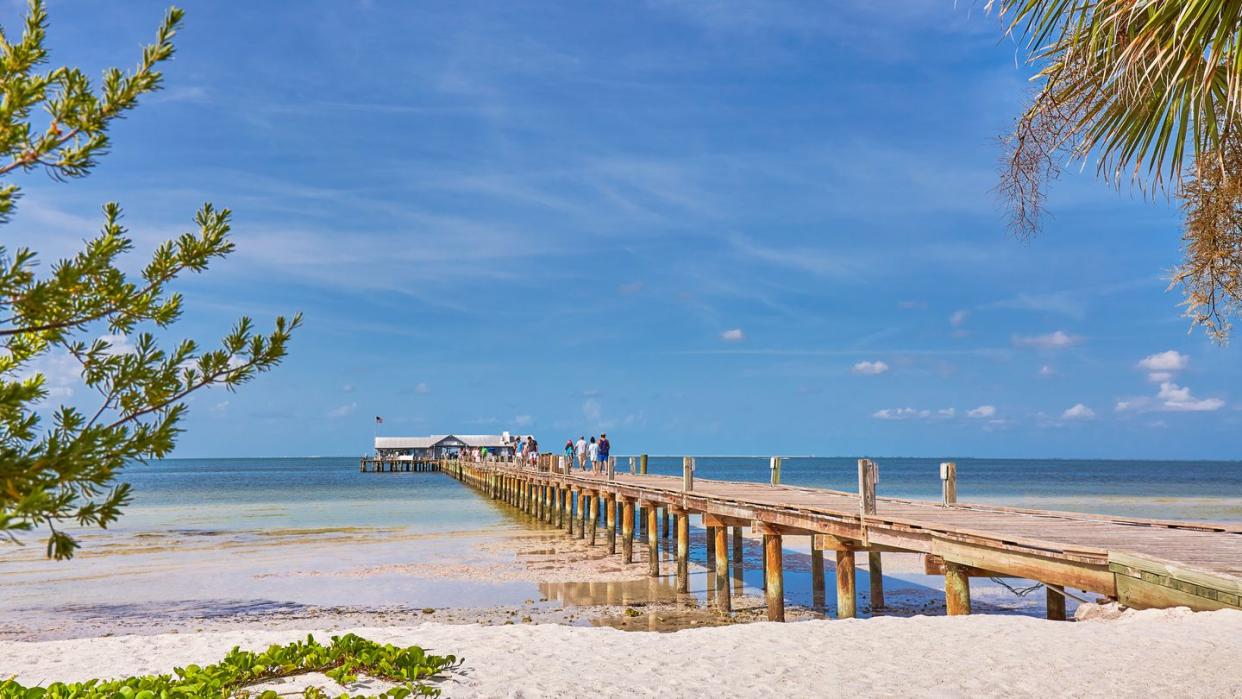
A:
(1141, 563)
(373, 465)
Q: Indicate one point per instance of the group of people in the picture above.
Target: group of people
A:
(526, 450)
(592, 455)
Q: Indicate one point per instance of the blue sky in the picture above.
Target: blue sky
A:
(724, 227)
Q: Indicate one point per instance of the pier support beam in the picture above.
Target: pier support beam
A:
(774, 571)
(653, 542)
(875, 572)
(711, 542)
(582, 515)
(610, 521)
(1056, 602)
(683, 551)
(665, 516)
(594, 516)
(818, 593)
(847, 598)
(627, 530)
(723, 603)
(956, 588)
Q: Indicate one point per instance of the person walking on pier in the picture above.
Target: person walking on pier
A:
(569, 453)
(581, 448)
(604, 447)
(592, 454)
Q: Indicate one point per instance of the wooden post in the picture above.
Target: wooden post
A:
(868, 475)
(612, 468)
(594, 516)
(722, 569)
(683, 551)
(875, 574)
(653, 542)
(846, 597)
(633, 468)
(774, 465)
(687, 473)
(818, 593)
(582, 514)
(642, 464)
(664, 516)
(567, 508)
(1056, 601)
(627, 530)
(948, 482)
(956, 588)
(610, 515)
(711, 541)
(772, 566)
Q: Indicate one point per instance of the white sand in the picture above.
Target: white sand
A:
(1153, 653)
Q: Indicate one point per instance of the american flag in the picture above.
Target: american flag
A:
(379, 420)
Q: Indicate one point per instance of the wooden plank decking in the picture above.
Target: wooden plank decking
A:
(1143, 563)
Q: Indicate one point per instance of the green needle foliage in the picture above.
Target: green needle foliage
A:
(1152, 89)
(343, 660)
(86, 308)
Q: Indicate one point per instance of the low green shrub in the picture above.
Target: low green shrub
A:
(344, 659)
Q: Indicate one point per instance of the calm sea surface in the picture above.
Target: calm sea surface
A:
(330, 492)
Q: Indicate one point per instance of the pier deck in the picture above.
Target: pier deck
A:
(1140, 562)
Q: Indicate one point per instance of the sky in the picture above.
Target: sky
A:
(719, 227)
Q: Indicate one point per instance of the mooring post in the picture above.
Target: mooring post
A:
(683, 551)
(956, 588)
(1055, 594)
(653, 542)
(948, 482)
(875, 575)
(847, 598)
(612, 469)
(594, 515)
(687, 473)
(627, 530)
(774, 465)
(774, 572)
(633, 467)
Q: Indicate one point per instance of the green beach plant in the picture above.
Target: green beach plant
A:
(344, 660)
(1152, 89)
(89, 312)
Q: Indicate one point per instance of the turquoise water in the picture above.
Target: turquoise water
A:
(226, 538)
(330, 492)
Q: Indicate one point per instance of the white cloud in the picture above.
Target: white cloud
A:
(1170, 398)
(1172, 360)
(422, 388)
(870, 368)
(734, 335)
(1047, 370)
(958, 318)
(348, 388)
(913, 414)
(343, 410)
(592, 409)
(1054, 340)
(220, 408)
(118, 344)
(900, 414)
(523, 420)
(982, 411)
(1078, 412)
(1177, 398)
(1162, 366)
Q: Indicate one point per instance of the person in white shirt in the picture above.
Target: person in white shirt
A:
(593, 454)
(581, 448)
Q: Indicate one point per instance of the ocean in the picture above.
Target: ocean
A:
(223, 538)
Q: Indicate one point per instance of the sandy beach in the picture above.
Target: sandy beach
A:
(1147, 653)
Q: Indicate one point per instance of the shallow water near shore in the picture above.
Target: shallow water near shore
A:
(214, 541)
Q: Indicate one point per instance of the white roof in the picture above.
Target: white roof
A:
(470, 440)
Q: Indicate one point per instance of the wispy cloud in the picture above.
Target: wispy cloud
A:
(870, 368)
(343, 410)
(1078, 412)
(1055, 340)
(733, 335)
